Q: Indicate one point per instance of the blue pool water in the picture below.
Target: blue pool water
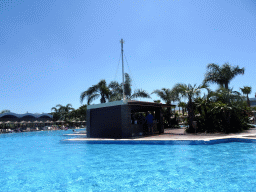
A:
(38, 161)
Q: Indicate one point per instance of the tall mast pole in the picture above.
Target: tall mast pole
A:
(122, 42)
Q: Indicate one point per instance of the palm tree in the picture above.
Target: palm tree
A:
(99, 90)
(55, 109)
(139, 93)
(167, 95)
(77, 115)
(228, 103)
(56, 113)
(81, 113)
(112, 92)
(226, 96)
(62, 112)
(65, 111)
(117, 90)
(222, 75)
(190, 92)
(246, 91)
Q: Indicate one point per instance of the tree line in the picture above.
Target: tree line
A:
(220, 110)
(68, 113)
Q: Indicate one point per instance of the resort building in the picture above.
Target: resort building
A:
(14, 120)
(122, 119)
(25, 117)
(252, 102)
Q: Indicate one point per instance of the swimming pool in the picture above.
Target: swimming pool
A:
(38, 161)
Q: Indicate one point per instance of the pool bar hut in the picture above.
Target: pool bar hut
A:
(120, 119)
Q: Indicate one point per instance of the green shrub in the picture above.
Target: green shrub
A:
(221, 117)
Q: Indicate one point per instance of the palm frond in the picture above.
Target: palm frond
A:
(116, 91)
(162, 94)
(93, 89)
(55, 109)
(114, 85)
(246, 90)
(140, 93)
(115, 97)
(83, 95)
(92, 97)
(127, 85)
(59, 106)
(69, 105)
(222, 75)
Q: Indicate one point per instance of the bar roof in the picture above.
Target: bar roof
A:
(129, 102)
(36, 115)
(146, 104)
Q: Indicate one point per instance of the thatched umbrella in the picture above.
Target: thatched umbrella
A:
(7, 123)
(35, 122)
(16, 123)
(29, 123)
(47, 122)
(60, 121)
(41, 123)
(23, 123)
(73, 123)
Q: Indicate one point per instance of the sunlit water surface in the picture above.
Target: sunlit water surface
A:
(39, 161)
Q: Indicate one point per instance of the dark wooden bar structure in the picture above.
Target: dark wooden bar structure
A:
(115, 119)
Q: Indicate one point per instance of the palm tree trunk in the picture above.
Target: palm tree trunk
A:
(227, 118)
(169, 115)
(248, 101)
(190, 114)
(102, 99)
(226, 85)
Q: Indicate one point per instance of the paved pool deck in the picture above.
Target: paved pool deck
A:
(177, 134)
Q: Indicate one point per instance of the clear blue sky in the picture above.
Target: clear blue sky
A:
(52, 50)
